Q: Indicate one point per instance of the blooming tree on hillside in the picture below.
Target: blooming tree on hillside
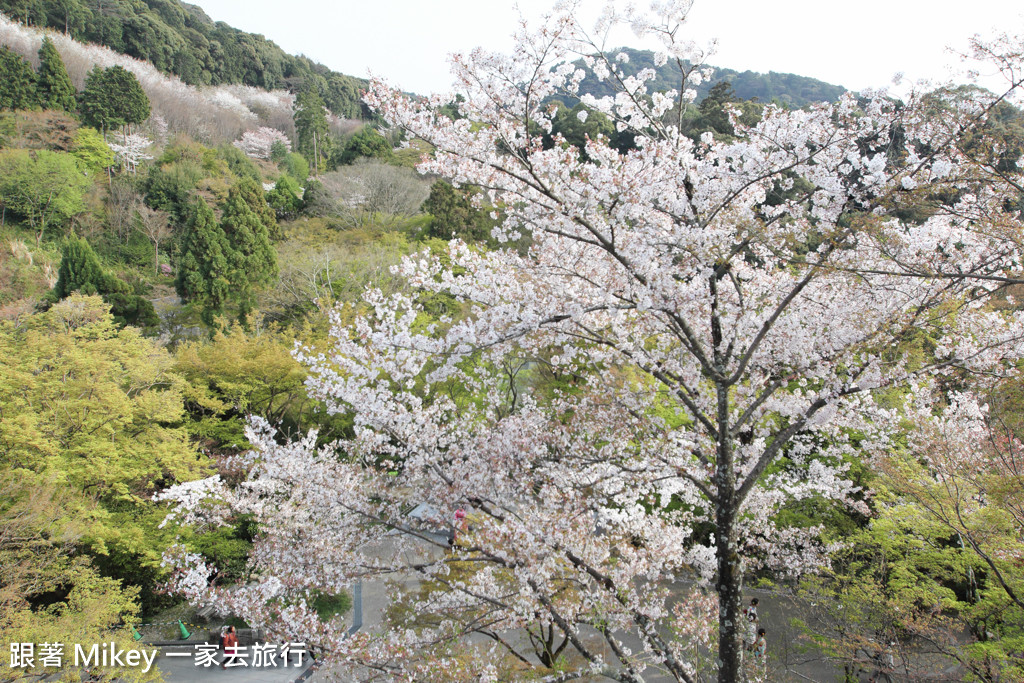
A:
(258, 143)
(130, 149)
(699, 333)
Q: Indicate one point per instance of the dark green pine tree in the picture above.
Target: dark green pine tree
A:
(52, 81)
(203, 265)
(112, 98)
(453, 214)
(252, 259)
(311, 128)
(252, 193)
(80, 271)
(17, 81)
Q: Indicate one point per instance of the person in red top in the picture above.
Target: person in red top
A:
(230, 647)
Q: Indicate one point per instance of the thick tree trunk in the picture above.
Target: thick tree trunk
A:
(730, 587)
(730, 569)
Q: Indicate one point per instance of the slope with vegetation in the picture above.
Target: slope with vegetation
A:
(160, 251)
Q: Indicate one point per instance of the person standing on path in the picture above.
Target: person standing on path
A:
(750, 634)
(230, 648)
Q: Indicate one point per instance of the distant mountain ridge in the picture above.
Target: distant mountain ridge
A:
(180, 39)
(790, 89)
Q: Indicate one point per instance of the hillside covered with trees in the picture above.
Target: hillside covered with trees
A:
(789, 90)
(180, 39)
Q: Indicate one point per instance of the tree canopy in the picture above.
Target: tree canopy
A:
(112, 98)
(701, 336)
(52, 81)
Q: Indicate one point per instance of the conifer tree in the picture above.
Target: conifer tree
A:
(203, 268)
(17, 81)
(251, 257)
(252, 193)
(311, 127)
(52, 81)
(112, 98)
(80, 271)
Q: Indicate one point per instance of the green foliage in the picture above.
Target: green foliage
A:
(316, 200)
(17, 81)
(453, 214)
(236, 374)
(239, 164)
(203, 267)
(91, 150)
(112, 98)
(230, 261)
(97, 412)
(329, 606)
(252, 261)
(226, 548)
(169, 187)
(295, 165)
(315, 143)
(251, 192)
(181, 39)
(44, 187)
(284, 198)
(50, 592)
(80, 271)
(567, 123)
(713, 113)
(52, 82)
(278, 151)
(366, 142)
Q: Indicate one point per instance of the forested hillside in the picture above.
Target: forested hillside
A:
(789, 90)
(178, 38)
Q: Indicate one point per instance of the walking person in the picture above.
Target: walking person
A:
(760, 648)
(230, 648)
(750, 633)
(459, 525)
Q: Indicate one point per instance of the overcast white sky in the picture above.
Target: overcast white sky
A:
(855, 44)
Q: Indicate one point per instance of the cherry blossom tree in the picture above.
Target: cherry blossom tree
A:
(257, 143)
(699, 333)
(130, 149)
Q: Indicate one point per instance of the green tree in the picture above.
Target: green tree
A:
(284, 198)
(53, 84)
(453, 213)
(80, 271)
(203, 265)
(49, 591)
(252, 261)
(17, 81)
(251, 192)
(45, 187)
(295, 165)
(69, 16)
(91, 150)
(97, 413)
(112, 98)
(311, 128)
(578, 124)
(237, 373)
(365, 142)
